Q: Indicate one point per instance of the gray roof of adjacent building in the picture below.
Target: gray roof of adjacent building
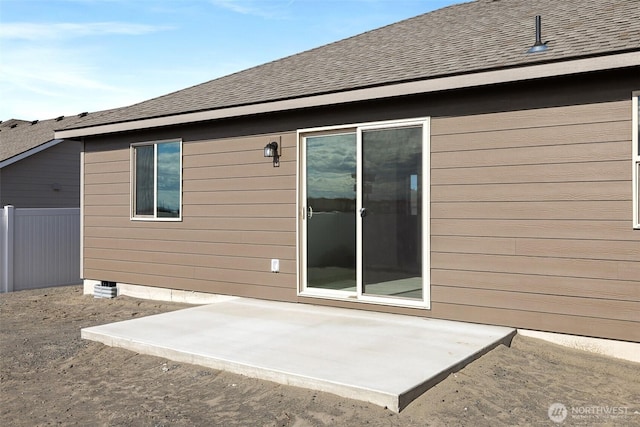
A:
(19, 136)
(461, 39)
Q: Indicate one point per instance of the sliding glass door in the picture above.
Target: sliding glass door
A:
(363, 213)
(391, 212)
(330, 211)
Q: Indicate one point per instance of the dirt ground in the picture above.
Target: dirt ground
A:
(49, 376)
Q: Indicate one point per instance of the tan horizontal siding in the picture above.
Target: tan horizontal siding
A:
(540, 284)
(282, 182)
(561, 229)
(105, 155)
(545, 155)
(172, 231)
(106, 167)
(580, 133)
(552, 117)
(263, 169)
(238, 262)
(249, 210)
(107, 178)
(539, 320)
(601, 210)
(121, 199)
(556, 248)
(479, 245)
(113, 211)
(528, 192)
(179, 271)
(204, 223)
(207, 284)
(519, 174)
(585, 249)
(541, 303)
(570, 267)
(262, 196)
(531, 220)
(254, 144)
(114, 188)
(197, 248)
(560, 323)
(238, 213)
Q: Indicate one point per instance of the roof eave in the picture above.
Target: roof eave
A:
(530, 72)
(16, 158)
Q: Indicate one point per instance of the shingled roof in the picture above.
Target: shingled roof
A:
(19, 136)
(457, 40)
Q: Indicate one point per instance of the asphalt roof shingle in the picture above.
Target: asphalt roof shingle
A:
(464, 38)
(18, 136)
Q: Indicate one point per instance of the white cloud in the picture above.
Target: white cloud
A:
(269, 10)
(43, 75)
(39, 82)
(62, 30)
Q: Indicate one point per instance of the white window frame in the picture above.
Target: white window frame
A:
(358, 296)
(635, 159)
(132, 163)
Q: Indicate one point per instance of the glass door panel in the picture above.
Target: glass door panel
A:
(331, 212)
(391, 212)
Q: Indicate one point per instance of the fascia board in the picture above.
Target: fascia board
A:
(601, 63)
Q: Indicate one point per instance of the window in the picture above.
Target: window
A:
(156, 189)
(636, 160)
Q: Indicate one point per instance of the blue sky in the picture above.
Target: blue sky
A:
(63, 57)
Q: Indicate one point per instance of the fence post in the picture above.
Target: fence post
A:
(6, 273)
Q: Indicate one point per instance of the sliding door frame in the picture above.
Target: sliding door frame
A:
(301, 208)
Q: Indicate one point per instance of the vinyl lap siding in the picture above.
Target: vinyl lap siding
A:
(531, 220)
(238, 213)
(48, 179)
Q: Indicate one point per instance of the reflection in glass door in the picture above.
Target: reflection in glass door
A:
(391, 212)
(331, 212)
(365, 213)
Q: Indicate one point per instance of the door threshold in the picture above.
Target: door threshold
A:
(375, 300)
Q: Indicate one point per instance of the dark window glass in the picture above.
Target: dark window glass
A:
(144, 180)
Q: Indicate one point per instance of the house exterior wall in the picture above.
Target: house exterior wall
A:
(530, 220)
(238, 213)
(531, 214)
(32, 181)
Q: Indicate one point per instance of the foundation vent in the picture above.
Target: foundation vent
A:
(105, 290)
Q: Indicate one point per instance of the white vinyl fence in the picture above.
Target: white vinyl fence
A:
(39, 248)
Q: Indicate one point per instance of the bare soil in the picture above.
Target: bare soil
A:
(49, 376)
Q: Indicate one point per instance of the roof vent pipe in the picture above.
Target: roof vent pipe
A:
(538, 46)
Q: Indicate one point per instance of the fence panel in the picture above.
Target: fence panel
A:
(45, 248)
(4, 273)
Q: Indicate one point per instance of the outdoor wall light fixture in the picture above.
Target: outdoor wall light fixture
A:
(271, 150)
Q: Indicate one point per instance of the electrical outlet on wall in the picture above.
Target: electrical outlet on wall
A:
(275, 265)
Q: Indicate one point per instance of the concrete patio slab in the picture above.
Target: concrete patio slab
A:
(385, 359)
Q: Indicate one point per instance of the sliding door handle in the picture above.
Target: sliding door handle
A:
(363, 212)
